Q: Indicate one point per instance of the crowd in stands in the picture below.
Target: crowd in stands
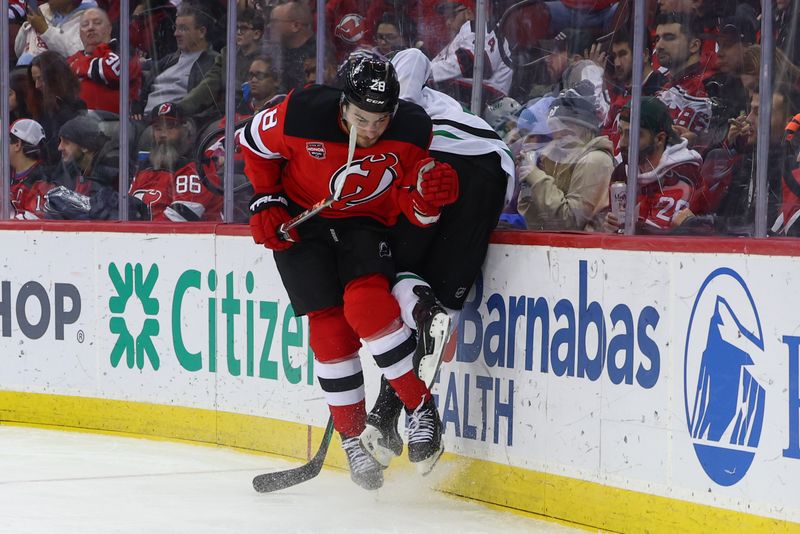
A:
(556, 87)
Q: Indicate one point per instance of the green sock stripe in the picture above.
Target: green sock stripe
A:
(408, 276)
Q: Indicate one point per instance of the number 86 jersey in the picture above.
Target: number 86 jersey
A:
(300, 148)
(178, 196)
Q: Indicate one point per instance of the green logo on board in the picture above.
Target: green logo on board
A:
(136, 347)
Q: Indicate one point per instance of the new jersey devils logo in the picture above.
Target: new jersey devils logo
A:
(351, 28)
(148, 196)
(368, 178)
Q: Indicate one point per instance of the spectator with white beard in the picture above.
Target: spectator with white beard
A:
(169, 187)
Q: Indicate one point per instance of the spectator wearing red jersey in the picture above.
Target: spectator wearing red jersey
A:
(98, 65)
(677, 47)
(669, 173)
(170, 187)
(29, 182)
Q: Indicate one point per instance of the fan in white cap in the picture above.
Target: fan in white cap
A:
(28, 131)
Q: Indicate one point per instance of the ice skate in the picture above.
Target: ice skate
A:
(364, 470)
(425, 445)
(433, 328)
(380, 437)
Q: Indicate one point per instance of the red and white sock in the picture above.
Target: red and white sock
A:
(393, 352)
(343, 386)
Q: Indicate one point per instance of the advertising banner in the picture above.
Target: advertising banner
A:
(663, 373)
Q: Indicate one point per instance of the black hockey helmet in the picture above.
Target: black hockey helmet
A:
(371, 84)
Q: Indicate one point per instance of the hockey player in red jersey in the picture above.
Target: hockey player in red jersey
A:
(337, 266)
(169, 188)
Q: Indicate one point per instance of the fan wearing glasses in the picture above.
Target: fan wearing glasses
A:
(388, 36)
(263, 83)
(209, 92)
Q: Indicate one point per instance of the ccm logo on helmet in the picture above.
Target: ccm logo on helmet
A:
(367, 178)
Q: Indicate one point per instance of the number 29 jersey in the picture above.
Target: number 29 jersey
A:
(298, 147)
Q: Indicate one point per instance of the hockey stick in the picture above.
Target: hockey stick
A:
(279, 480)
(330, 199)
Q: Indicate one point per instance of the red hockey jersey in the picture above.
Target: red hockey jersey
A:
(99, 75)
(686, 97)
(179, 196)
(27, 193)
(675, 184)
(300, 148)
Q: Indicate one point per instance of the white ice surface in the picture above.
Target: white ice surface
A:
(67, 482)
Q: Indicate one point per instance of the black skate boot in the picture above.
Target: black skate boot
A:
(364, 470)
(380, 438)
(433, 328)
(425, 437)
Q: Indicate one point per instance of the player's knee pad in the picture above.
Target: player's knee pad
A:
(330, 335)
(369, 306)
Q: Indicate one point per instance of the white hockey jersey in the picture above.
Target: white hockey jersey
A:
(454, 130)
(455, 61)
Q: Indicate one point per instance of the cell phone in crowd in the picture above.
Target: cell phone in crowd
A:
(33, 7)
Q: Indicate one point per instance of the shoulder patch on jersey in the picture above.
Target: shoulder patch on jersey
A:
(316, 149)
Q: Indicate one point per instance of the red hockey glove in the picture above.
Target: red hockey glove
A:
(416, 209)
(437, 186)
(267, 213)
(437, 182)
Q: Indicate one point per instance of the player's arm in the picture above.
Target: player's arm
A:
(265, 153)
(264, 149)
(105, 66)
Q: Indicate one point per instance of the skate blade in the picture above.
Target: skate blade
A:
(370, 439)
(429, 364)
(426, 466)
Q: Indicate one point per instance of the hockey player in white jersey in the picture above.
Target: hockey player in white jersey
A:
(452, 67)
(444, 259)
